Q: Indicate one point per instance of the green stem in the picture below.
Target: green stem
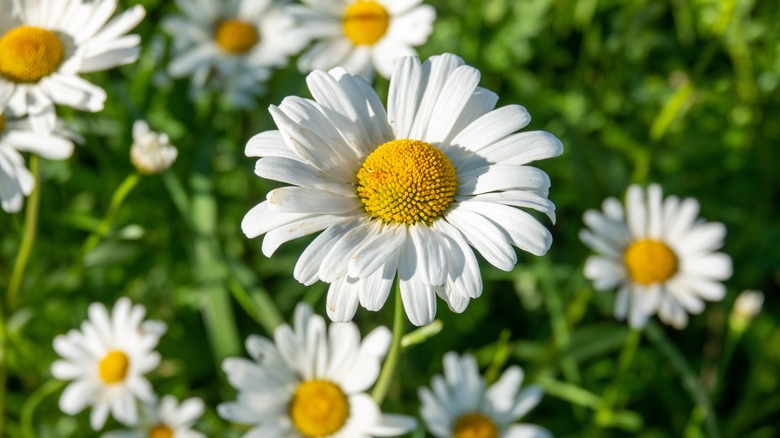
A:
(612, 395)
(32, 403)
(28, 238)
(388, 368)
(117, 199)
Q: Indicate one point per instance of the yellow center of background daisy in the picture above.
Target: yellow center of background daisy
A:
(2, 123)
(474, 426)
(365, 22)
(406, 181)
(319, 408)
(160, 431)
(29, 53)
(650, 261)
(113, 367)
(235, 36)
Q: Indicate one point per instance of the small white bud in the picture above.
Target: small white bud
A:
(151, 152)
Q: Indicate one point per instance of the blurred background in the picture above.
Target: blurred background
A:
(685, 93)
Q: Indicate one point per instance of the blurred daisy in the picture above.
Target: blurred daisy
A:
(151, 152)
(404, 191)
(166, 419)
(18, 135)
(746, 307)
(106, 360)
(659, 254)
(363, 35)
(232, 45)
(311, 382)
(459, 406)
(46, 44)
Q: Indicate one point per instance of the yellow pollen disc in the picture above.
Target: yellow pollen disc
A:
(406, 181)
(365, 22)
(113, 367)
(650, 261)
(319, 408)
(474, 426)
(28, 54)
(160, 431)
(235, 36)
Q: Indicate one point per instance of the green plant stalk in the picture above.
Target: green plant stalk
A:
(17, 275)
(121, 192)
(33, 401)
(388, 368)
(611, 396)
(689, 379)
(28, 239)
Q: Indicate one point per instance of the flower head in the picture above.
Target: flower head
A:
(404, 192)
(19, 135)
(46, 44)
(107, 360)
(151, 152)
(363, 35)
(311, 382)
(458, 405)
(166, 418)
(659, 255)
(232, 46)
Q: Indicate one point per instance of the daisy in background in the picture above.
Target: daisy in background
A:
(46, 44)
(403, 193)
(107, 360)
(459, 405)
(166, 419)
(311, 382)
(18, 135)
(232, 45)
(363, 35)
(151, 152)
(658, 254)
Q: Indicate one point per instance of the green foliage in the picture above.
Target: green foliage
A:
(683, 93)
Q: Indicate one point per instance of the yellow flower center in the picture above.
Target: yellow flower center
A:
(235, 36)
(474, 426)
(406, 181)
(365, 22)
(650, 261)
(29, 53)
(319, 408)
(160, 431)
(113, 367)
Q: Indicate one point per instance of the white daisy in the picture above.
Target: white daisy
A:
(659, 254)
(363, 35)
(404, 191)
(166, 419)
(459, 405)
(151, 152)
(18, 135)
(311, 382)
(232, 45)
(46, 44)
(107, 359)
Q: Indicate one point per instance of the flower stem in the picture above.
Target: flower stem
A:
(117, 199)
(28, 238)
(388, 368)
(611, 398)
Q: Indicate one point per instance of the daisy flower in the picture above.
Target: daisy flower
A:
(458, 405)
(106, 360)
(363, 35)
(232, 45)
(166, 419)
(405, 192)
(151, 152)
(18, 135)
(311, 382)
(658, 253)
(46, 44)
